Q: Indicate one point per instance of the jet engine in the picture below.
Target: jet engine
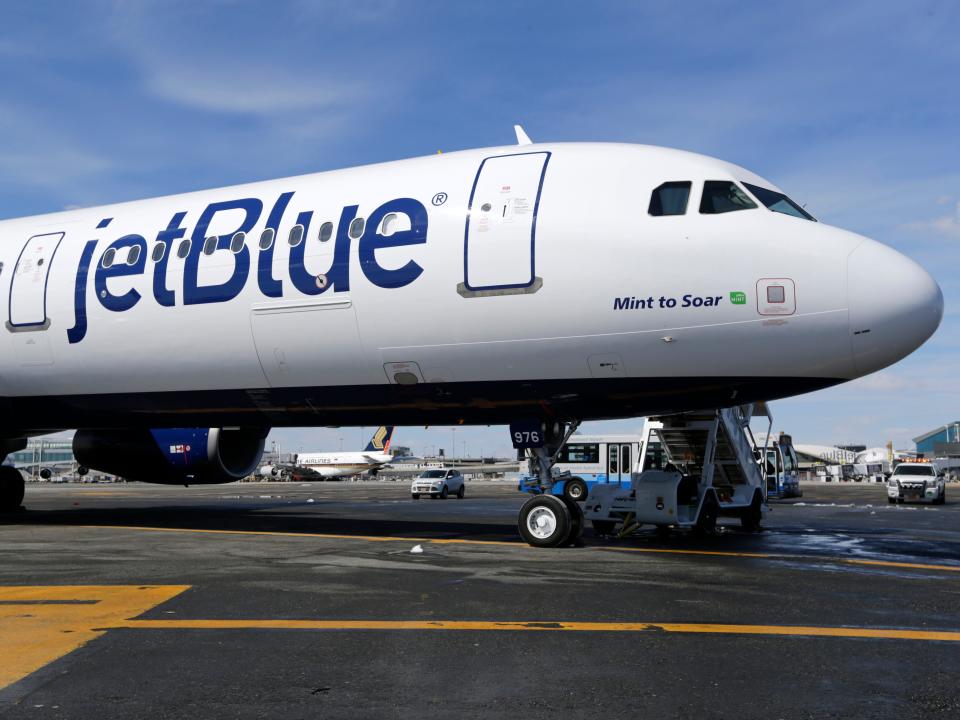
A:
(172, 456)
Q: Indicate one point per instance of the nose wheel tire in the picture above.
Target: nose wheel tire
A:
(545, 521)
(11, 489)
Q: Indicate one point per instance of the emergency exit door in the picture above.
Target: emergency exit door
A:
(28, 284)
(619, 459)
(500, 241)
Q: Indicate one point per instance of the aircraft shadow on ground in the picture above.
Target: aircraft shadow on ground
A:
(260, 519)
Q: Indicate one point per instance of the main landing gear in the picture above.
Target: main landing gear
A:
(11, 489)
(545, 519)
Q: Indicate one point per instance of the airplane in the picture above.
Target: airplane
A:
(536, 285)
(330, 465)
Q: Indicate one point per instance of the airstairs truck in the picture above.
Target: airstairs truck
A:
(712, 470)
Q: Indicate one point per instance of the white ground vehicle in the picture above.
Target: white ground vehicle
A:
(438, 484)
(916, 481)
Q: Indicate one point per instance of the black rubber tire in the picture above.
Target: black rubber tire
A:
(461, 492)
(444, 493)
(561, 513)
(576, 521)
(11, 489)
(415, 496)
(603, 527)
(707, 520)
(892, 501)
(752, 517)
(575, 489)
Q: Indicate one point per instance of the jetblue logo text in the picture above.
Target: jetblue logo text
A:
(335, 278)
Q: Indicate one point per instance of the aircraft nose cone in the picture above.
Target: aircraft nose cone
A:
(894, 306)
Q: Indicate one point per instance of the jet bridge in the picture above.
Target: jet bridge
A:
(712, 471)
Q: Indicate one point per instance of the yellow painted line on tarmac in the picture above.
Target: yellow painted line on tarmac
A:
(677, 551)
(322, 536)
(39, 624)
(546, 626)
(890, 563)
(603, 548)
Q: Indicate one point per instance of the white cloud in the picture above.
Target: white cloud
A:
(947, 225)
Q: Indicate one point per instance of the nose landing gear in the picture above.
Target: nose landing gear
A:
(545, 519)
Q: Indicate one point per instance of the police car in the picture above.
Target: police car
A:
(916, 481)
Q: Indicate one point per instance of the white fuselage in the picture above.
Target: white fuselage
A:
(486, 284)
(342, 464)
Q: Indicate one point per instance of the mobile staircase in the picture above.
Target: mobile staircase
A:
(712, 471)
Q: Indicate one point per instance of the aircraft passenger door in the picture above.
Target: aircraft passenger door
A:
(28, 284)
(500, 236)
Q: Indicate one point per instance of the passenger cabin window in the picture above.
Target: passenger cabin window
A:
(159, 250)
(356, 228)
(237, 242)
(778, 202)
(389, 225)
(210, 245)
(266, 239)
(184, 249)
(133, 255)
(723, 196)
(670, 199)
(108, 257)
(326, 231)
(296, 235)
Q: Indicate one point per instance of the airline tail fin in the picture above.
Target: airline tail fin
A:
(380, 442)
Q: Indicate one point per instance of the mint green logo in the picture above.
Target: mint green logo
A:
(738, 298)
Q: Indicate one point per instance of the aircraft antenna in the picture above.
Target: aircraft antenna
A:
(522, 137)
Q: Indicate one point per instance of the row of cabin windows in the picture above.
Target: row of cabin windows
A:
(720, 196)
(239, 239)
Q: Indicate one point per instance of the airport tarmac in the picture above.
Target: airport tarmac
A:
(306, 601)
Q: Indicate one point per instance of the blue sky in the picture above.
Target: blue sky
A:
(853, 108)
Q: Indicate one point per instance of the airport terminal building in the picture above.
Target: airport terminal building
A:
(943, 445)
(55, 455)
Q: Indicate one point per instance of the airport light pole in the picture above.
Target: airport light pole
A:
(453, 445)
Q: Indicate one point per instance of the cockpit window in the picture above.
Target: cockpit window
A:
(670, 198)
(778, 202)
(723, 196)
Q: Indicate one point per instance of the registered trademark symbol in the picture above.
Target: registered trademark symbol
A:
(440, 198)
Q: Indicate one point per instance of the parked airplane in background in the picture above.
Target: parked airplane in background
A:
(539, 285)
(329, 465)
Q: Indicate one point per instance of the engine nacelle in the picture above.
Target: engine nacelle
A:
(172, 456)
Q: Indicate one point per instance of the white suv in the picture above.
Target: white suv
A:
(438, 484)
(916, 481)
